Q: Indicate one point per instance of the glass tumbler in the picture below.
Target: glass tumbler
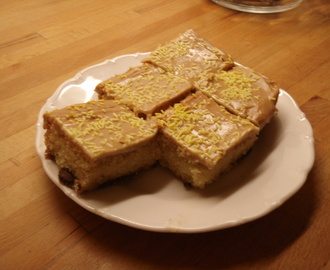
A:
(259, 6)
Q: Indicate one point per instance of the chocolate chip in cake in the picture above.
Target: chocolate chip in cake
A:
(66, 177)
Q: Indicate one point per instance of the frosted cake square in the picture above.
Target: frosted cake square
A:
(98, 141)
(189, 55)
(200, 139)
(145, 89)
(244, 92)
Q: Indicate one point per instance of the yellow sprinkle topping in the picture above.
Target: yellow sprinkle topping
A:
(196, 128)
(232, 85)
(239, 85)
(99, 128)
(147, 90)
(189, 55)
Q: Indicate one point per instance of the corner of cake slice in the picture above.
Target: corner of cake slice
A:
(145, 89)
(244, 92)
(200, 139)
(98, 141)
(189, 55)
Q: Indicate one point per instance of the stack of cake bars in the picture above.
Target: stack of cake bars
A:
(188, 107)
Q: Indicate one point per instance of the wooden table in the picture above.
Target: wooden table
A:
(43, 43)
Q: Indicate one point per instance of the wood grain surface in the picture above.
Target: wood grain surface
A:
(43, 43)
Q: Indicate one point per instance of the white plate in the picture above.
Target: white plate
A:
(155, 200)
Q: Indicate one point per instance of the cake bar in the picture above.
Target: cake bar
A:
(200, 139)
(145, 89)
(98, 141)
(242, 91)
(188, 56)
